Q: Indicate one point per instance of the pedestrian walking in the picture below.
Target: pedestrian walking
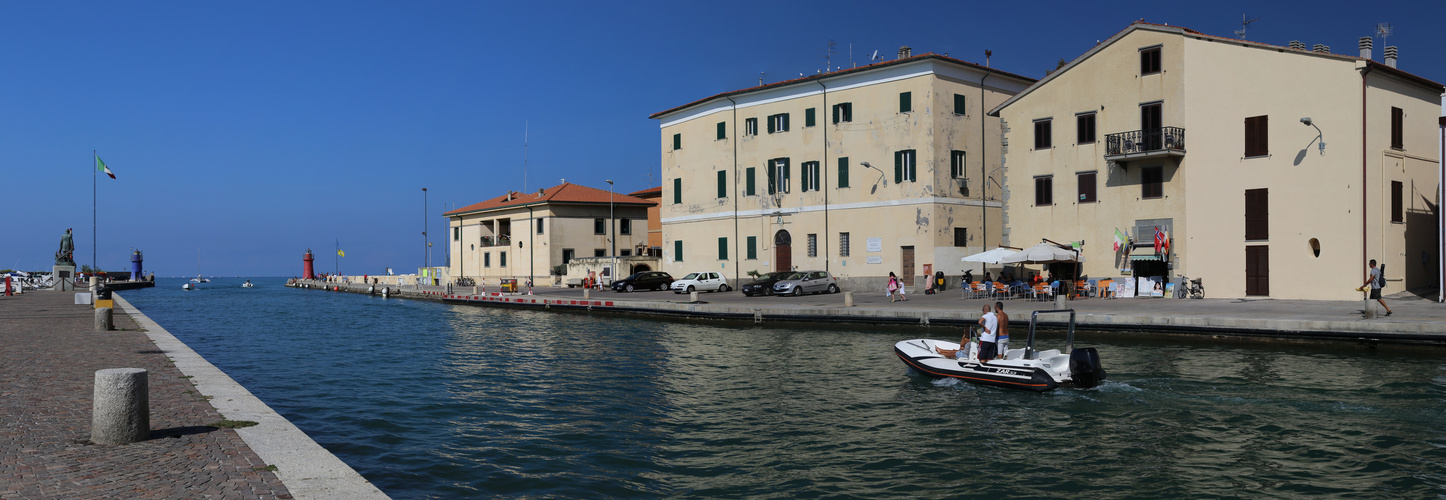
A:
(1376, 279)
(892, 286)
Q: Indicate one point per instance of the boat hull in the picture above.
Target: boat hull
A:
(997, 375)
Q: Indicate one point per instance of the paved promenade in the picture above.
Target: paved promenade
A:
(47, 369)
(1415, 319)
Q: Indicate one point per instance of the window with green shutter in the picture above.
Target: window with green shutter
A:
(779, 175)
(906, 102)
(678, 191)
(810, 174)
(752, 247)
(808, 119)
(843, 112)
(843, 172)
(677, 250)
(722, 130)
(748, 184)
(960, 105)
(677, 141)
(904, 166)
(722, 183)
(956, 164)
(723, 248)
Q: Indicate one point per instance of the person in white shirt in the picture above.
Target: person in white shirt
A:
(990, 323)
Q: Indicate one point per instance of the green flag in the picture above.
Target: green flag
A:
(100, 165)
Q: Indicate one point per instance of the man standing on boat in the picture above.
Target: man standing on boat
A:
(987, 338)
(1002, 337)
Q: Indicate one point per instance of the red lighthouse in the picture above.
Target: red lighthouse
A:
(307, 272)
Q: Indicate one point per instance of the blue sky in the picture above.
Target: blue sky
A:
(244, 133)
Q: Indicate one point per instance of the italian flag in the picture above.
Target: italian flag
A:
(100, 165)
(1119, 240)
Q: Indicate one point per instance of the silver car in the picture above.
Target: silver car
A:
(807, 282)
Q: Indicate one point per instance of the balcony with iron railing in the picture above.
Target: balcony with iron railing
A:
(1145, 144)
(497, 241)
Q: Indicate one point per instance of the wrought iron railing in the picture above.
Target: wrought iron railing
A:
(496, 241)
(1145, 141)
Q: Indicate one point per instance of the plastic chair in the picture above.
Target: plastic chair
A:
(1001, 290)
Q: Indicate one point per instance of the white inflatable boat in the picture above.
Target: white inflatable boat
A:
(1026, 368)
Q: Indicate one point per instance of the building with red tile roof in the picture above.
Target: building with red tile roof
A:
(655, 225)
(527, 235)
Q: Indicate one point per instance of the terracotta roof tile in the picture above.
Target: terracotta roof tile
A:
(649, 192)
(562, 193)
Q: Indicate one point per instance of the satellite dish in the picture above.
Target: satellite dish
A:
(874, 57)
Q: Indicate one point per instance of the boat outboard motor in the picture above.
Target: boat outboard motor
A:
(1085, 368)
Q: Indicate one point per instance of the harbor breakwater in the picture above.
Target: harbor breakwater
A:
(1418, 321)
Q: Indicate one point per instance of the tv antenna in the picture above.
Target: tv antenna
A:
(874, 57)
(828, 57)
(1244, 24)
(1384, 30)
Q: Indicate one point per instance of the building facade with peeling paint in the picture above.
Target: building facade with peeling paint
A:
(859, 172)
(1218, 142)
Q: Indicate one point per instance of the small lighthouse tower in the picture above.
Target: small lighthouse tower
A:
(136, 265)
(308, 272)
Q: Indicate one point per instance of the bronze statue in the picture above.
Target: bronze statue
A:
(67, 250)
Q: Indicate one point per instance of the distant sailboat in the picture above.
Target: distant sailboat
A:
(199, 278)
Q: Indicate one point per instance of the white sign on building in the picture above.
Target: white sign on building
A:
(875, 245)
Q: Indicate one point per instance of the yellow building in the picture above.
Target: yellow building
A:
(860, 172)
(525, 235)
(1218, 142)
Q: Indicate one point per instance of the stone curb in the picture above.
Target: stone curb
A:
(307, 469)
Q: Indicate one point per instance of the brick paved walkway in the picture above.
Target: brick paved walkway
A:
(48, 358)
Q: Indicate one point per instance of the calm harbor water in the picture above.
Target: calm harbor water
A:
(430, 400)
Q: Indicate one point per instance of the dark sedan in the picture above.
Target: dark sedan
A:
(764, 284)
(646, 280)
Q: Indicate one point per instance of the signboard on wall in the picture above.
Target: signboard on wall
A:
(874, 260)
(875, 245)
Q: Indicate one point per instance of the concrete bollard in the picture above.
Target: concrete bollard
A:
(693, 296)
(1060, 302)
(587, 293)
(121, 413)
(104, 319)
(1369, 309)
(848, 299)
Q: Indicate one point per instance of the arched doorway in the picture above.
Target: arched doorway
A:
(782, 251)
(640, 268)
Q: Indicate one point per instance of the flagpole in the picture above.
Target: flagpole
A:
(93, 240)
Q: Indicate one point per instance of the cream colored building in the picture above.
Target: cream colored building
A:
(522, 235)
(1204, 137)
(860, 172)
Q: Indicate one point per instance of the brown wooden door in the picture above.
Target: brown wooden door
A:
(908, 265)
(1257, 270)
(1151, 119)
(782, 251)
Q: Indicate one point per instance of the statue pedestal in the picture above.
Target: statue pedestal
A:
(63, 275)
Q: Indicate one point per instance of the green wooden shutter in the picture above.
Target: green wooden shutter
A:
(750, 178)
(808, 120)
(807, 175)
(678, 191)
(913, 162)
(722, 183)
(787, 175)
(785, 123)
(677, 141)
(843, 172)
(722, 130)
(906, 103)
(898, 167)
(752, 247)
(772, 176)
(678, 250)
(960, 104)
(723, 248)
(837, 108)
(771, 121)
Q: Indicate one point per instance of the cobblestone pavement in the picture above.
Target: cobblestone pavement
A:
(48, 357)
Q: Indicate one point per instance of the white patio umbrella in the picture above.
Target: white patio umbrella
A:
(989, 257)
(1043, 253)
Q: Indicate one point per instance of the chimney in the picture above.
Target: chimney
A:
(1322, 48)
(1366, 44)
(1391, 56)
(1297, 45)
(904, 52)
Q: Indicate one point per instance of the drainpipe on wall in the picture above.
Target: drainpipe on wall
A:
(823, 172)
(1364, 225)
(983, 169)
(1441, 214)
(532, 252)
(737, 268)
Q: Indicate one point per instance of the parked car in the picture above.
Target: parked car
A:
(764, 284)
(806, 282)
(646, 280)
(709, 281)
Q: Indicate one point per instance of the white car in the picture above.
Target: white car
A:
(709, 281)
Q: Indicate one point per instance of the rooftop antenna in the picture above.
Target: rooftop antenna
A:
(1384, 30)
(760, 78)
(828, 57)
(525, 126)
(874, 57)
(852, 64)
(1244, 23)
